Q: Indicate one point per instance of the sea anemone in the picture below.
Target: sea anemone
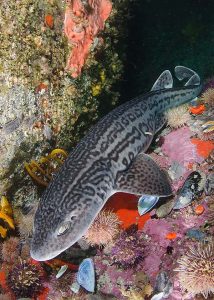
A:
(10, 250)
(211, 210)
(25, 280)
(104, 229)
(178, 116)
(25, 225)
(208, 97)
(195, 270)
(128, 249)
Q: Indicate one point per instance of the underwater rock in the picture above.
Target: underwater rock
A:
(81, 25)
(189, 191)
(193, 233)
(101, 296)
(209, 184)
(176, 170)
(163, 284)
(164, 209)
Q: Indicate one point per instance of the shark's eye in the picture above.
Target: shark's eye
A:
(64, 228)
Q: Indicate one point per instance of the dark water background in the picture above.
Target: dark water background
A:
(163, 34)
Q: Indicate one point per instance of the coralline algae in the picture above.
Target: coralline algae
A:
(81, 25)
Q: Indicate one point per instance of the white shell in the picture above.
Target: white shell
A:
(61, 271)
(86, 275)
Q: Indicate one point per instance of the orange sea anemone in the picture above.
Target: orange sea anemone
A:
(199, 209)
(197, 110)
(204, 148)
(49, 21)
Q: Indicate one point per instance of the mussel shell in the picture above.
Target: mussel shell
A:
(146, 203)
(86, 275)
(190, 190)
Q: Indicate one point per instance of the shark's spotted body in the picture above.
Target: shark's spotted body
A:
(109, 159)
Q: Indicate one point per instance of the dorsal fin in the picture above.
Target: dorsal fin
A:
(164, 81)
(194, 80)
(182, 72)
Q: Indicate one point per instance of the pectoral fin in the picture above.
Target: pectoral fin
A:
(144, 177)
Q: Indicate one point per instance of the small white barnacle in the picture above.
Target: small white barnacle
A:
(195, 176)
(192, 187)
(63, 228)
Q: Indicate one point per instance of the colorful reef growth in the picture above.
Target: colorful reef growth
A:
(6, 216)
(61, 64)
(83, 21)
(196, 269)
(104, 229)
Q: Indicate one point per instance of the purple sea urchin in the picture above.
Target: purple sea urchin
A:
(128, 249)
(25, 280)
(196, 270)
(104, 229)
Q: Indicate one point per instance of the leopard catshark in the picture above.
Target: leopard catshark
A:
(109, 159)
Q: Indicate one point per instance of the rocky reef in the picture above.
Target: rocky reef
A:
(41, 104)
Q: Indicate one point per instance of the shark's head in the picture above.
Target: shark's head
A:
(58, 226)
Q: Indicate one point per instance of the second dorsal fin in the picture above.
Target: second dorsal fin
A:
(164, 81)
(194, 80)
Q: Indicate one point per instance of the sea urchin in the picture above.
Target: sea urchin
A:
(128, 249)
(104, 229)
(178, 116)
(196, 270)
(25, 280)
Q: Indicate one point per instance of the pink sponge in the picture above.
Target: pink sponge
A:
(178, 147)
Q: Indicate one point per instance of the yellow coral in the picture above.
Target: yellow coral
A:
(5, 206)
(3, 232)
(7, 219)
(6, 215)
(42, 170)
(96, 89)
(102, 76)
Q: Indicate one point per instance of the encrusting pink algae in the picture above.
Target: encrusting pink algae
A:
(81, 26)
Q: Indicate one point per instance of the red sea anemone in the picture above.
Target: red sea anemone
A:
(196, 271)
